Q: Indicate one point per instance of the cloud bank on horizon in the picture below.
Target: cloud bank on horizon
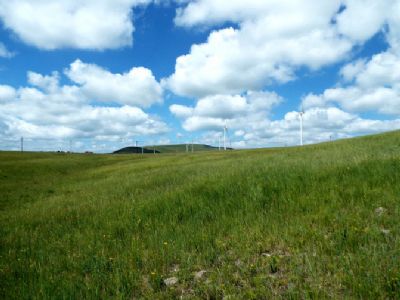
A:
(252, 49)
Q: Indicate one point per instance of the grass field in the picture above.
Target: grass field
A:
(320, 221)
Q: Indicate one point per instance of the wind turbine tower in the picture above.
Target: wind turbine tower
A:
(301, 114)
(225, 130)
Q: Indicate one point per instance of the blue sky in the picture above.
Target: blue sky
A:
(101, 75)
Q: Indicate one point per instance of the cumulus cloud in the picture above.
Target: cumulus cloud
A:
(209, 12)
(350, 71)
(393, 34)
(320, 124)
(213, 112)
(7, 93)
(250, 123)
(91, 24)
(382, 70)
(368, 86)
(272, 40)
(137, 87)
(181, 111)
(233, 61)
(48, 110)
(221, 106)
(363, 18)
(48, 83)
(323, 124)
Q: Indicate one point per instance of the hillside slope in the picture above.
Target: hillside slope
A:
(135, 150)
(319, 221)
(178, 148)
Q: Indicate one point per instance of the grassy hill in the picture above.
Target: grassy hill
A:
(178, 148)
(319, 221)
(182, 148)
(135, 150)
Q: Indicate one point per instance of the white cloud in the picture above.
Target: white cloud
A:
(48, 82)
(48, 110)
(394, 25)
(196, 123)
(252, 126)
(213, 112)
(273, 39)
(233, 61)
(320, 124)
(382, 70)
(181, 111)
(6, 93)
(211, 12)
(4, 52)
(137, 87)
(369, 86)
(90, 24)
(221, 106)
(363, 18)
(350, 71)
(239, 133)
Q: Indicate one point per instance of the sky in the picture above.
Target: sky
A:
(98, 75)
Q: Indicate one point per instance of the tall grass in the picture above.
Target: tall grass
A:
(320, 221)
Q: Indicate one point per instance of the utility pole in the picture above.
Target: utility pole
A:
(22, 144)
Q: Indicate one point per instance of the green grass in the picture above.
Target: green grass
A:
(293, 223)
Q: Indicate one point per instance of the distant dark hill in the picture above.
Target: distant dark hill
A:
(130, 150)
(179, 148)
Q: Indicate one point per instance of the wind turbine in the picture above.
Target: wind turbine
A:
(137, 146)
(225, 130)
(301, 113)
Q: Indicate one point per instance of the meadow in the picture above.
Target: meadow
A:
(312, 222)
